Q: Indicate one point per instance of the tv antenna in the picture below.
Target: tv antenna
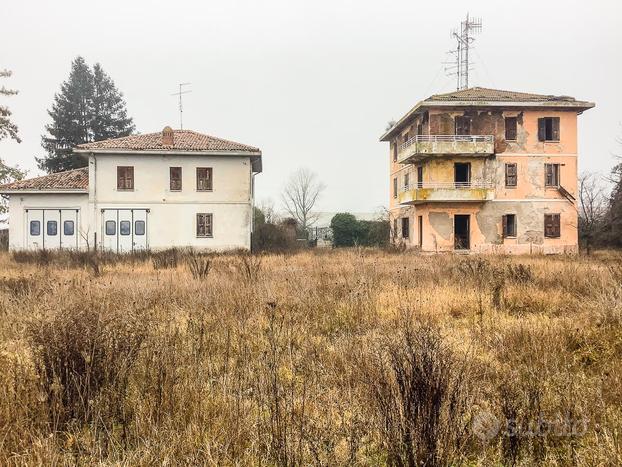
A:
(180, 93)
(461, 65)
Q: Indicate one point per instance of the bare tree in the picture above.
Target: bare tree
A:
(300, 195)
(592, 207)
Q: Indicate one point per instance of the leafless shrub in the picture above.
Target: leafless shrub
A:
(519, 273)
(82, 354)
(419, 390)
(250, 267)
(198, 266)
(167, 259)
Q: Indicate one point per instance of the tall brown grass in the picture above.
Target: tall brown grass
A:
(352, 357)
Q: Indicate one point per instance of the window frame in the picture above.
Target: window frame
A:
(48, 224)
(171, 178)
(508, 176)
(555, 175)
(143, 230)
(206, 234)
(32, 224)
(127, 223)
(555, 129)
(506, 225)
(123, 179)
(465, 125)
(73, 228)
(405, 221)
(513, 127)
(394, 187)
(106, 230)
(210, 179)
(555, 222)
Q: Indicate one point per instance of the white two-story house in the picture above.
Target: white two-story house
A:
(175, 188)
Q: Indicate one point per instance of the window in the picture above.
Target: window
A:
(551, 175)
(204, 225)
(420, 176)
(52, 228)
(111, 227)
(420, 233)
(463, 125)
(395, 151)
(68, 228)
(125, 178)
(139, 227)
(548, 129)
(551, 225)
(462, 174)
(406, 180)
(511, 177)
(175, 179)
(419, 128)
(405, 227)
(395, 228)
(509, 225)
(204, 179)
(35, 228)
(511, 128)
(124, 227)
(395, 187)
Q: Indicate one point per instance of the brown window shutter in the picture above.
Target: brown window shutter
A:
(556, 227)
(395, 151)
(555, 121)
(541, 129)
(510, 175)
(505, 225)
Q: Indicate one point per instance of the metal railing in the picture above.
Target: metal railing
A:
(447, 185)
(446, 139)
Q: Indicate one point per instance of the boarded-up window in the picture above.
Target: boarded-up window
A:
(405, 227)
(551, 225)
(463, 125)
(511, 177)
(548, 129)
(395, 187)
(551, 175)
(509, 225)
(204, 178)
(125, 178)
(204, 225)
(175, 178)
(511, 128)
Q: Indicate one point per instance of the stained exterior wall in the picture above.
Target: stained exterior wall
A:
(530, 200)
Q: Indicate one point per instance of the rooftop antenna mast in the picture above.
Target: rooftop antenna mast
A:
(181, 106)
(461, 64)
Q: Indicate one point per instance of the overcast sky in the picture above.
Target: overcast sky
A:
(311, 83)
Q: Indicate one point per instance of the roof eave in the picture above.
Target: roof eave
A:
(167, 152)
(31, 191)
(579, 106)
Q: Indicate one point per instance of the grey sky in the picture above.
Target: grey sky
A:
(312, 83)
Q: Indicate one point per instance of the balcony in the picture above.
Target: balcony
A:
(427, 192)
(421, 147)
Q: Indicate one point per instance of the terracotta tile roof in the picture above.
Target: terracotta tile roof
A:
(497, 95)
(77, 179)
(183, 140)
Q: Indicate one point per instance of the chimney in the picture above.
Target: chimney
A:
(167, 136)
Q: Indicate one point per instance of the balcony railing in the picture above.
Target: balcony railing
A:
(447, 139)
(420, 147)
(447, 185)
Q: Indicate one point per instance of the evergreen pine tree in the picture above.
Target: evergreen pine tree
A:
(88, 108)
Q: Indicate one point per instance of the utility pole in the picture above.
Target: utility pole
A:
(181, 106)
(461, 64)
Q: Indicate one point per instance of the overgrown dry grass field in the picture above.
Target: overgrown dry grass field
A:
(352, 357)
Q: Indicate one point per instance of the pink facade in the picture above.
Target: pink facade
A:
(487, 171)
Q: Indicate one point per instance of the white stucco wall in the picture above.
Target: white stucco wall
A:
(172, 214)
(20, 202)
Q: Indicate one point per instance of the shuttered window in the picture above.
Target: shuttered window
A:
(509, 225)
(551, 226)
(511, 178)
(175, 178)
(551, 175)
(405, 227)
(406, 181)
(548, 129)
(204, 179)
(204, 225)
(395, 187)
(395, 151)
(125, 178)
(511, 128)
(463, 125)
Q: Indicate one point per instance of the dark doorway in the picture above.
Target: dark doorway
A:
(420, 231)
(461, 232)
(462, 174)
